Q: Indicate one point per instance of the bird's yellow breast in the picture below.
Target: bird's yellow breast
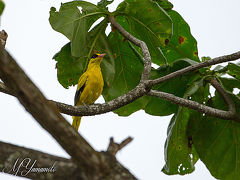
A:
(94, 86)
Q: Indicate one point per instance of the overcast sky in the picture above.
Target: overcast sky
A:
(215, 25)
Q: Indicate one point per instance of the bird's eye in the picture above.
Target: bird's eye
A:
(94, 56)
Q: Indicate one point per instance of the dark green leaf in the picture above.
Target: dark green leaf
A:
(180, 156)
(148, 22)
(176, 86)
(217, 142)
(70, 68)
(182, 44)
(128, 69)
(74, 19)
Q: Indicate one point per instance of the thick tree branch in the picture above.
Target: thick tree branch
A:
(57, 167)
(228, 115)
(144, 85)
(94, 164)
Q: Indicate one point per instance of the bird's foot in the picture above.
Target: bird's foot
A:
(86, 106)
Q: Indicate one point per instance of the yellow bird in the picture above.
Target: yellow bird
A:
(90, 86)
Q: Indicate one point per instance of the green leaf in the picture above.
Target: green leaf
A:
(229, 83)
(128, 69)
(74, 20)
(2, 6)
(180, 156)
(147, 21)
(165, 4)
(205, 58)
(70, 68)
(219, 68)
(103, 4)
(217, 142)
(176, 86)
(234, 70)
(182, 44)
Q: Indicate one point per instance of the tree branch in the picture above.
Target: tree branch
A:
(228, 115)
(94, 164)
(141, 44)
(59, 168)
(144, 86)
(113, 147)
(3, 37)
(221, 59)
(224, 94)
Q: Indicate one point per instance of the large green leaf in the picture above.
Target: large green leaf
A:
(180, 154)
(217, 141)
(182, 44)
(70, 68)
(148, 22)
(176, 86)
(128, 69)
(74, 20)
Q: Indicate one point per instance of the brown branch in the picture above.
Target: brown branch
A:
(95, 164)
(58, 167)
(136, 93)
(3, 37)
(5, 89)
(224, 94)
(228, 115)
(143, 87)
(221, 59)
(113, 147)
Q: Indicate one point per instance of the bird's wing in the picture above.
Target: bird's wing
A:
(81, 85)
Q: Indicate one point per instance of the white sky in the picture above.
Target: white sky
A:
(215, 25)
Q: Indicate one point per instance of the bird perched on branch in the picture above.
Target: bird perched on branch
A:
(90, 86)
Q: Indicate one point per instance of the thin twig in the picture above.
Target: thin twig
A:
(113, 147)
(3, 37)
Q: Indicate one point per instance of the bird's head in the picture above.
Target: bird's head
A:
(96, 58)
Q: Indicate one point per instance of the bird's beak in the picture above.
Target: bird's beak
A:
(101, 55)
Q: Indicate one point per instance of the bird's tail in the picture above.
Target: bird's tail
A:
(76, 122)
